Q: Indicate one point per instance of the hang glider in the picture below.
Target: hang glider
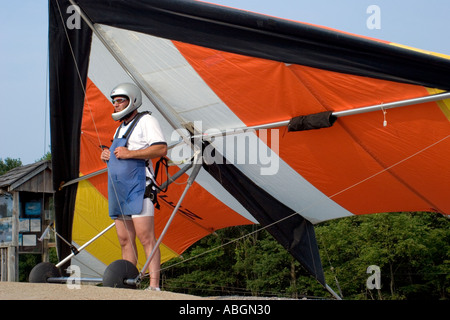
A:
(235, 87)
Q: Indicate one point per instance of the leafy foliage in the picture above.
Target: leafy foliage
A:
(8, 164)
(411, 249)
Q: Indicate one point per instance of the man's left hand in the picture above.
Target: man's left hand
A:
(122, 153)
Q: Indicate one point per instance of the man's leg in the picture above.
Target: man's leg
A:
(144, 227)
(127, 239)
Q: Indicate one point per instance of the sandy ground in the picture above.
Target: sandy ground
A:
(52, 291)
(47, 291)
(57, 300)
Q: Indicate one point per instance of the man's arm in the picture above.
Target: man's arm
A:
(152, 152)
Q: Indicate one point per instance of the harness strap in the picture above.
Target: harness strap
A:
(151, 190)
(162, 161)
(136, 119)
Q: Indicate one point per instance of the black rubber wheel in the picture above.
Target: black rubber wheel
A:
(117, 272)
(42, 271)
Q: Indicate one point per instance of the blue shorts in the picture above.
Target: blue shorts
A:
(148, 210)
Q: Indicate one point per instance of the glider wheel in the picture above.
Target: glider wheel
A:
(117, 272)
(42, 271)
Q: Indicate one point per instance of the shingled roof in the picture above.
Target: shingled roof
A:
(17, 177)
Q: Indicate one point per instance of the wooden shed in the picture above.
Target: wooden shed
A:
(26, 209)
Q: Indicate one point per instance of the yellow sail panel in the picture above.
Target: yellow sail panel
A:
(443, 104)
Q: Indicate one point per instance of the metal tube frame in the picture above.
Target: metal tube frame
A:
(395, 104)
(75, 279)
(332, 292)
(85, 245)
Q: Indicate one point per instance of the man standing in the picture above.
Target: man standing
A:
(137, 140)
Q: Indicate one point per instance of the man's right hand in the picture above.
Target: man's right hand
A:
(105, 155)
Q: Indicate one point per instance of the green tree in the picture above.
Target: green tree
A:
(205, 268)
(238, 261)
(264, 265)
(8, 164)
(411, 249)
(47, 156)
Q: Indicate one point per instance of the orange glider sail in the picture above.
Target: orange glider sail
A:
(224, 84)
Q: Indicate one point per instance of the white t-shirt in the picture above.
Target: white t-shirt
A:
(146, 133)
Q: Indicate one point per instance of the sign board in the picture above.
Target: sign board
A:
(6, 220)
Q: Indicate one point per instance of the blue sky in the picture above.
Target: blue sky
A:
(24, 124)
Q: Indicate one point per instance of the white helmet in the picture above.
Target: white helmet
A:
(133, 93)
